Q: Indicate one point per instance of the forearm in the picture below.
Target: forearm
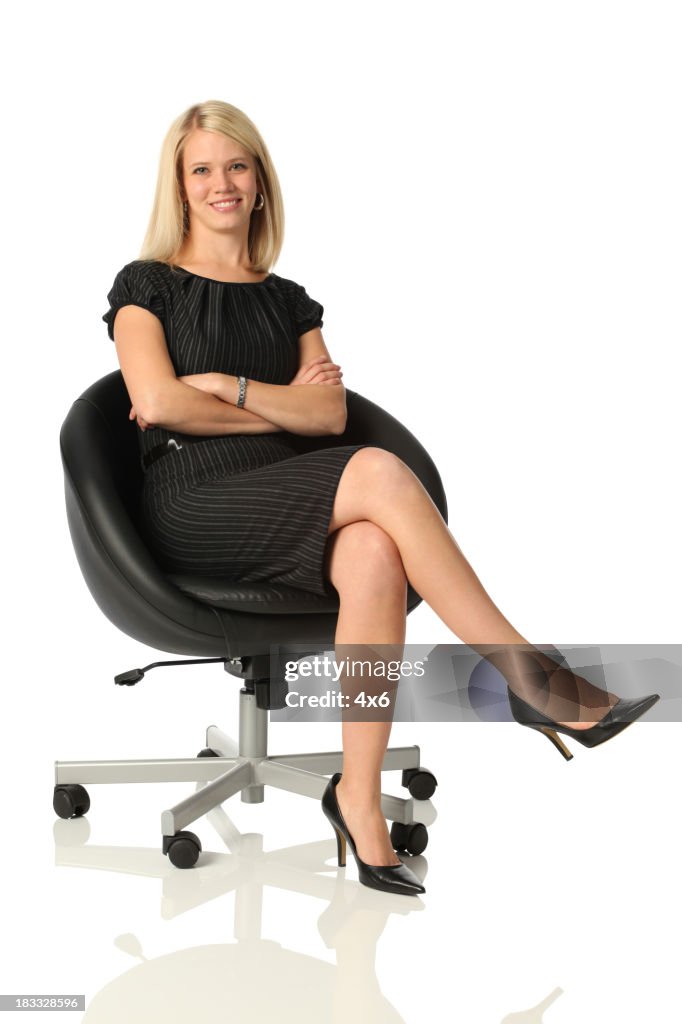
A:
(307, 409)
(178, 406)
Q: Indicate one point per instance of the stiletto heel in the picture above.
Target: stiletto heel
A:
(558, 743)
(340, 847)
(386, 877)
(617, 718)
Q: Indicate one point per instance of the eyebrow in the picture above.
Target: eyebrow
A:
(201, 163)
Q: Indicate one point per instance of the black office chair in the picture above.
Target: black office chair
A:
(238, 624)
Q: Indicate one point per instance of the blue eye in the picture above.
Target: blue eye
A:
(237, 164)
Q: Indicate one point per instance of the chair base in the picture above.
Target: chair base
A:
(244, 767)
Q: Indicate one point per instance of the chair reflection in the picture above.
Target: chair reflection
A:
(184, 984)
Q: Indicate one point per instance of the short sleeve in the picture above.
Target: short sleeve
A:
(307, 312)
(134, 285)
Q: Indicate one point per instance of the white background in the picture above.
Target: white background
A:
(485, 198)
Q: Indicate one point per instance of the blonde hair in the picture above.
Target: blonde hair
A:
(167, 228)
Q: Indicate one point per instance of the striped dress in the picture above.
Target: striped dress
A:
(250, 508)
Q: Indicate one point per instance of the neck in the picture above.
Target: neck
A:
(211, 251)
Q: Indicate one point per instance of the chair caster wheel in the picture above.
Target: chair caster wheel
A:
(70, 801)
(420, 782)
(182, 849)
(409, 838)
(207, 752)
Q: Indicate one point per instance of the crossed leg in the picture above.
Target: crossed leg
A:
(385, 530)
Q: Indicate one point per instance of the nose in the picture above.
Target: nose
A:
(224, 182)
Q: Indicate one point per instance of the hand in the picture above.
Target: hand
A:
(142, 424)
(318, 371)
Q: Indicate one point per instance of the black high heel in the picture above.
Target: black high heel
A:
(614, 721)
(389, 877)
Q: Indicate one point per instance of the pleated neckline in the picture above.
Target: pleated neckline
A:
(214, 280)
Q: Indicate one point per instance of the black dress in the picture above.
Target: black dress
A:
(247, 507)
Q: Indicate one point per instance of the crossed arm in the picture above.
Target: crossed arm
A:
(313, 403)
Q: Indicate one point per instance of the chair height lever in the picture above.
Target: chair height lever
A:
(134, 675)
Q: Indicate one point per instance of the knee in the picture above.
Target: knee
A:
(368, 545)
(361, 553)
(380, 466)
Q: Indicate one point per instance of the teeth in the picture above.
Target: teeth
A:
(231, 202)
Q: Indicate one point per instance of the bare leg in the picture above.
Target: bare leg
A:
(385, 530)
(378, 487)
(365, 568)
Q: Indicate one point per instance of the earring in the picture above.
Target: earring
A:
(262, 201)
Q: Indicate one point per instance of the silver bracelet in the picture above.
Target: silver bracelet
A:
(242, 393)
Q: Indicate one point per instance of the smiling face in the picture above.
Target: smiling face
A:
(220, 181)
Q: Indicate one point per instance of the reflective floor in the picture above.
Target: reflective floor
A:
(551, 892)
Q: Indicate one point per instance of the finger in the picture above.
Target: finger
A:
(310, 370)
(326, 374)
(309, 365)
(317, 360)
(316, 374)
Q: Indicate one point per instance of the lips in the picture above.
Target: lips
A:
(226, 204)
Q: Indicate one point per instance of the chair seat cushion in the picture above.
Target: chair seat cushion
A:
(253, 597)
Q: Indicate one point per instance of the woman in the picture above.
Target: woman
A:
(224, 361)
